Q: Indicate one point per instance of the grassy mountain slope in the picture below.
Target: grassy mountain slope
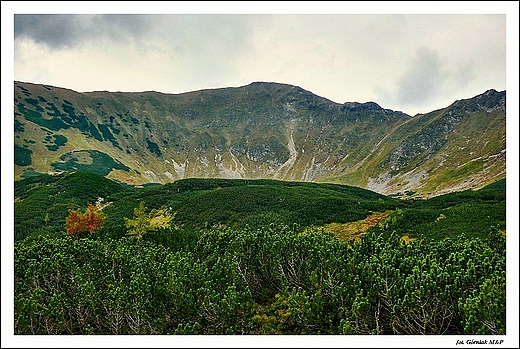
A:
(262, 130)
(455, 148)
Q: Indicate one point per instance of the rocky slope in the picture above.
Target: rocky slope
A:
(262, 130)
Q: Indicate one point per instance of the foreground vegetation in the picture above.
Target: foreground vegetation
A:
(246, 266)
(269, 281)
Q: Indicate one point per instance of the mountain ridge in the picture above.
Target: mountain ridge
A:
(260, 130)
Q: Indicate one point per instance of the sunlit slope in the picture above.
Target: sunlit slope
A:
(262, 130)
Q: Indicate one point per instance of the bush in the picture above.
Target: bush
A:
(275, 280)
(78, 224)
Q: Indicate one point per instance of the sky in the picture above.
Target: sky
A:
(415, 57)
(414, 63)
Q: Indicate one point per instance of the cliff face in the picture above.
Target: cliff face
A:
(262, 130)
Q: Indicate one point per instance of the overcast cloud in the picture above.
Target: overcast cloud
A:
(423, 79)
(408, 62)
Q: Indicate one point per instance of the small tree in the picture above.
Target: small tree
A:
(141, 222)
(144, 222)
(78, 223)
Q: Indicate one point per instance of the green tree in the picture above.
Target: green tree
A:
(46, 219)
(144, 222)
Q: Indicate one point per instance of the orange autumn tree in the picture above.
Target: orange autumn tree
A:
(78, 223)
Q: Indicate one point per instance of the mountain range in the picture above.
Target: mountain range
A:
(263, 130)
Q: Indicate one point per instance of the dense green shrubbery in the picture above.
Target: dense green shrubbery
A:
(265, 281)
(65, 286)
(256, 204)
(235, 260)
(22, 156)
(42, 202)
(468, 212)
(201, 203)
(101, 164)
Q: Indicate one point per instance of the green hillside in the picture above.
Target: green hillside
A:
(42, 203)
(249, 257)
(260, 203)
(261, 209)
(469, 212)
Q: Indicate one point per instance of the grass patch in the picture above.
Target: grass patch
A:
(354, 230)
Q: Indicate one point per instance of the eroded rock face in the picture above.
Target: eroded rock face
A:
(262, 130)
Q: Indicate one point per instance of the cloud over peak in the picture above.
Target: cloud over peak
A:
(412, 63)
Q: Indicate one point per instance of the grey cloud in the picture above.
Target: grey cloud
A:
(121, 27)
(465, 73)
(207, 47)
(226, 32)
(54, 30)
(63, 30)
(423, 79)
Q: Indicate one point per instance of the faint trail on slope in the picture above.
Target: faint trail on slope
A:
(293, 153)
